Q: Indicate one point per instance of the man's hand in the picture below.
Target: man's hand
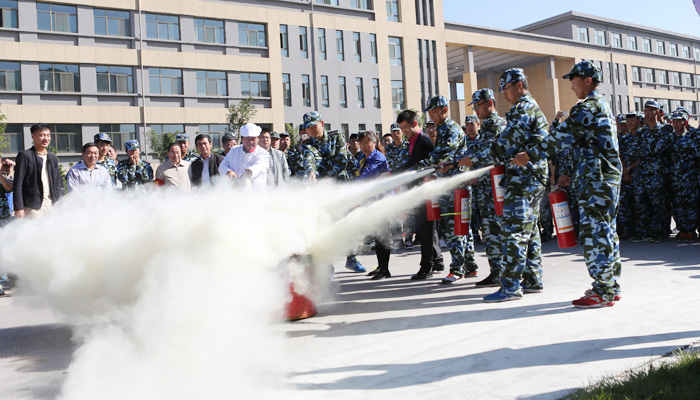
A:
(564, 180)
(312, 177)
(521, 159)
(231, 174)
(134, 158)
(466, 162)
(19, 213)
(560, 115)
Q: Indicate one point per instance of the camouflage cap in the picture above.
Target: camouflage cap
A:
(395, 127)
(471, 119)
(653, 104)
(131, 145)
(311, 118)
(585, 69)
(621, 118)
(274, 135)
(680, 114)
(102, 137)
(511, 75)
(633, 114)
(284, 134)
(681, 108)
(181, 137)
(436, 101)
(482, 94)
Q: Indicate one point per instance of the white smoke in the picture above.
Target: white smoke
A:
(175, 295)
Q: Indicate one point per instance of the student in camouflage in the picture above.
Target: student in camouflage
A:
(397, 154)
(625, 212)
(591, 134)
(103, 142)
(631, 173)
(471, 133)
(524, 187)
(296, 155)
(450, 140)
(683, 157)
(134, 172)
(188, 154)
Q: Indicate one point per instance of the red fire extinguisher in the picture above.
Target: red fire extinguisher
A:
(462, 212)
(566, 236)
(432, 205)
(497, 174)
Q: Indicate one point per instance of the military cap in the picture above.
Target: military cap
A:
(103, 137)
(511, 75)
(621, 118)
(632, 114)
(471, 119)
(181, 137)
(250, 130)
(284, 134)
(429, 122)
(482, 94)
(436, 101)
(681, 108)
(353, 136)
(227, 138)
(311, 118)
(395, 127)
(680, 114)
(274, 135)
(653, 104)
(585, 69)
(131, 145)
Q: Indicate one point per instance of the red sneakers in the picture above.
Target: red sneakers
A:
(592, 300)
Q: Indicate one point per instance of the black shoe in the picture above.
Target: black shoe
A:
(490, 281)
(421, 276)
(439, 268)
(374, 272)
(381, 275)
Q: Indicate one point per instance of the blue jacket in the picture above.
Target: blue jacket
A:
(373, 166)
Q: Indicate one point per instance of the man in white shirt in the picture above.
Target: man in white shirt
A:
(247, 161)
(174, 171)
(88, 173)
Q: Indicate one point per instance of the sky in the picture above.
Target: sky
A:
(679, 16)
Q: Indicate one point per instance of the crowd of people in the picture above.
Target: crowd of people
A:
(629, 175)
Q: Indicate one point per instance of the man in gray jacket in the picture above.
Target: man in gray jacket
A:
(279, 172)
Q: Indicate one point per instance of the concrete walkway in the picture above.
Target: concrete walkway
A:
(403, 339)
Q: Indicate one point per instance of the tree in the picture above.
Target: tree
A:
(159, 142)
(293, 133)
(240, 114)
(3, 138)
(421, 116)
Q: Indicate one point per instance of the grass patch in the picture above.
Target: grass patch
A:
(678, 380)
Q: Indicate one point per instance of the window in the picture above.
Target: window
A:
(609, 72)
(687, 80)
(617, 73)
(254, 85)
(674, 49)
(647, 45)
(209, 31)
(697, 54)
(624, 74)
(375, 93)
(322, 51)
(378, 129)
(15, 139)
(216, 131)
(119, 133)
(602, 75)
(676, 78)
(66, 138)
(650, 75)
(363, 4)
(211, 83)
(287, 90)
(339, 45)
(635, 74)
(306, 90)
(398, 101)
(362, 127)
(660, 47)
(164, 27)
(395, 51)
(600, 37)
(373, 47)
(582, 34)
(325, 95)
(59, 78)
(112, 22)
(342, 93)
(303, 42)
(357, 46)
(686, 52)
(617, 40)
(345, 129)
(168, 128)
(8, 14)
(663, 78)
(56, 18)
(165, 81)
(251, 34)
(392, 10)
(284, 40)
(10, 76)
(115, 79)
(632, 42)
(637, 103)
(697, 80)
(330, 2)
(327, 127)
(360, 93)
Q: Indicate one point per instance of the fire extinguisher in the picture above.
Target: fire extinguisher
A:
(432, 205)
(462, 212)
(566, 236)
(497, 174)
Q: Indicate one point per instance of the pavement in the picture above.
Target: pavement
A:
(403, 339)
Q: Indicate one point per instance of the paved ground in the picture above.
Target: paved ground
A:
(398, 338)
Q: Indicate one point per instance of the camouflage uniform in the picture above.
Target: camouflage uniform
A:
(625, 213)
(563, 165)
(520, 236)
(130, 175)
(190, 156)
(684, 157)
(329, 157)
(5, 211)
(111, 167)
(590, 132)
(396, 157)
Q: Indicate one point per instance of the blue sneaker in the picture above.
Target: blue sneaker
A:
(355, 266)
(499, 296)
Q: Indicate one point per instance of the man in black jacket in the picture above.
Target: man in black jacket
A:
(206, 166)
(420, 146)
(38, 183)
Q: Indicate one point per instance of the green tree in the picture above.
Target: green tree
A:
(3, 138)
(293, 133)
(240, 114)
(421, 116)
(159, 142)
